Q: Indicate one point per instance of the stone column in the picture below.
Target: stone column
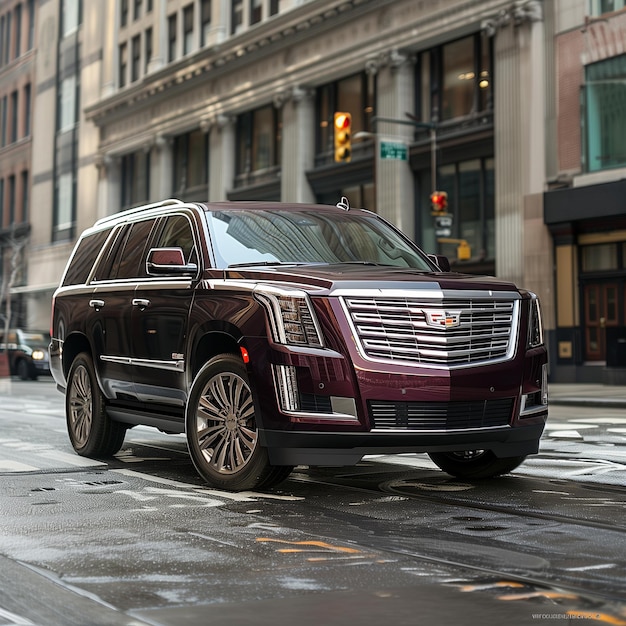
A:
(519, 134)
(395, 195)
(298, 144)
(162, 173)
(110, 16)
(109, 185)
(222, 160)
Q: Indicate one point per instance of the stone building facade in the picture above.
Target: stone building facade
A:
(234, 100)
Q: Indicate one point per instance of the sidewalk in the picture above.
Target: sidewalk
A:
(584, 394)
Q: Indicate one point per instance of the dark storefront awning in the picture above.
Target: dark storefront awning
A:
(585, 203)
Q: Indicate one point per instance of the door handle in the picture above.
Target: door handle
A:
(141, 303)
(96, 304)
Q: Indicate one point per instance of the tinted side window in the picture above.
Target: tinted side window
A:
(104, 267)
(177, 233)
(129, 260)
(84, 257)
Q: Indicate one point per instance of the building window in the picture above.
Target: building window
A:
(171, 38)
(2, 40)
(123, 64)
(205, 19)
(27, 110)
(471, 196)
(31, 24)
(25, 196)
(135, 66)
(148, 49)
(236, 16)
(70, 16)
(355, 95)
(149, 6)
(464, 76)
(123, 13)
(455, 80)
(7, 38)
(256, 11)
(3, 120)
(136, 9)
(191, 155)
(604, 114)
(258, 140)
(188, 29)
(135, 185)
(64, 206)
(274, 7)
(18, 30)
(599, 257)
(11, 200)
(598, 7)
(2, 220)
(14, 111)
(67, 103)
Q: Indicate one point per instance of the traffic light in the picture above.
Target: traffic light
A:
(343, 134)
(439, 201)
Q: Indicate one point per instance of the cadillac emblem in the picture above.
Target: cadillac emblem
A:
(443, 319)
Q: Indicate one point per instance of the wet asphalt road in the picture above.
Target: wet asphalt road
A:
(141, 540)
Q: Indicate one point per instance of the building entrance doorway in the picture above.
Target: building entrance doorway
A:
(603, 308)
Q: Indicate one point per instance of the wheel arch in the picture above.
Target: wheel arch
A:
(73, 345)
(209, 345)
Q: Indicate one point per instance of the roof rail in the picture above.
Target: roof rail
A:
(139, 209)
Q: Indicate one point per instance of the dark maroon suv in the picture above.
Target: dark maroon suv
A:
(276, 335)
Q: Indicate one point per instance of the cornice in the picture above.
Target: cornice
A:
(263, 40)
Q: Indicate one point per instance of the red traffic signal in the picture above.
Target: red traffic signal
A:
(342, 129)
(439, 201)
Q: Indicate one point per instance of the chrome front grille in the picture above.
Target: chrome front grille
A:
(438, 332)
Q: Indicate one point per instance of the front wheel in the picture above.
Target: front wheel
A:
(475, 464)
(92, 432)
(222, 434)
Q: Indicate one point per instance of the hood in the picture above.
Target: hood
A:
(324, 279)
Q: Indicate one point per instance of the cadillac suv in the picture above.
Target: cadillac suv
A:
(276, 335)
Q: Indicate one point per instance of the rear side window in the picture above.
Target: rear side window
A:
(128, 263)
(84, 257)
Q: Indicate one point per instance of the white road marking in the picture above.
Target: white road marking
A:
(16, 466)
(242, 496)
(71, 459)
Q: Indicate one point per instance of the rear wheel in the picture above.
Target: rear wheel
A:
(475, 463)
(221, 428)
(92, 432)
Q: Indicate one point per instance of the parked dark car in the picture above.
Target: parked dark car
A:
(277, 335)
(28, 352)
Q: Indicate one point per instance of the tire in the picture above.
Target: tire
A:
(475, 464)
(221, 429)
(23, 371)
(92, 432)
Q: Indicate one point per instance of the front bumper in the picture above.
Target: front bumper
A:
(343, 448)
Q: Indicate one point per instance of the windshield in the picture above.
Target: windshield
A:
(36, 338)
(274, 237)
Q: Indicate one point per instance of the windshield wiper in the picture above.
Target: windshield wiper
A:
(265, 263)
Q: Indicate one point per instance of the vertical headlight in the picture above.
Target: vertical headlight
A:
(535, 324)
(291, 316)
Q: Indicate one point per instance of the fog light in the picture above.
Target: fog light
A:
(537, 401)
(287, 387)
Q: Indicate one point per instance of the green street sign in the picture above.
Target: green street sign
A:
(393, 150)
